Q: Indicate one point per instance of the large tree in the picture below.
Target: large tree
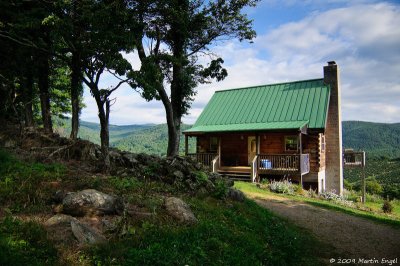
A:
(108, 32)
(180, 34)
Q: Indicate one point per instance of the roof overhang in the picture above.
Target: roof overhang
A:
(268, 126)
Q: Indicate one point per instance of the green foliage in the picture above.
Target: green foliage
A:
(243, 234)
(347, 184)
(391, 191)
(25, 243)
(372, 186)
(220, 189)
(125, 184)
(387, 207)
(23, 185)
(201, 177)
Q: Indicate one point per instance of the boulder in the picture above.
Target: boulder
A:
(91, 201)
(85, 234)
(178, 209)
(60, 219)
(235, 194)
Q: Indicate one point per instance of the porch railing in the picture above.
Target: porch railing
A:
(283, 163)
(204, 158)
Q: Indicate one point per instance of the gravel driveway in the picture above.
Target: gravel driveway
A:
(356, 237)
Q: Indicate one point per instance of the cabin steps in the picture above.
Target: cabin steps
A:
(236, 176)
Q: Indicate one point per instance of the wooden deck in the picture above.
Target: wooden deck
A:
(269, 164)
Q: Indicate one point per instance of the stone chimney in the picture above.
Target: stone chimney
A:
(333, 131)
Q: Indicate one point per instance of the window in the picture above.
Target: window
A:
(213, 144)
(291, 143)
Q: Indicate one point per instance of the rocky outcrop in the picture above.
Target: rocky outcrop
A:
(178, 209)
(91, 202)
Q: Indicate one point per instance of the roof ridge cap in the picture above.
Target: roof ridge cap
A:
(271, 84)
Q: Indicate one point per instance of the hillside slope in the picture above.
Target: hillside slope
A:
(377, 139)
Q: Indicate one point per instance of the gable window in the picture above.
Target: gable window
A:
(213, 144)
(291, 143)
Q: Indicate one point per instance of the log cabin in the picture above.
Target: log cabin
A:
(287, 130)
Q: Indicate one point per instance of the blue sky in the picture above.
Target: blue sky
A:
(294, 41)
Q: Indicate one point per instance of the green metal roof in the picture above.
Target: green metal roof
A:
(277, 106)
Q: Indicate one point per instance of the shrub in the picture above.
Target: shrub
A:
(391, 191)
(311, 193)
(352, 195)
(201, 177)
(220, 189)
(372, 186)
(285, 187)
(347, 184)
(298, 189)
(387, 207)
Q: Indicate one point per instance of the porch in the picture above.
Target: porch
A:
(261, 164)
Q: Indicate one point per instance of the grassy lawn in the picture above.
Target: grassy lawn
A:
(375, 214)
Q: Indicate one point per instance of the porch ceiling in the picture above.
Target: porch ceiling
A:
(297, 125)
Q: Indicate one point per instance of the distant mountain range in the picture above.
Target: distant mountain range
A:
(147, 138)
(377, 139)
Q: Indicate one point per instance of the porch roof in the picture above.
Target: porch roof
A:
(297, 125)
(288, 105)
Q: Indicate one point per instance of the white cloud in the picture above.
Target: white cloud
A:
(364, 39)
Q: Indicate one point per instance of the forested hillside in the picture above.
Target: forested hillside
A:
(148, 138)
(377, 139)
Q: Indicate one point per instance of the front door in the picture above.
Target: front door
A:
(251, 148)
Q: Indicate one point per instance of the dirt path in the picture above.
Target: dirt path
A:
(350, 235)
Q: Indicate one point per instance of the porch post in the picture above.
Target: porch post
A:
(300, 162)
(186, 144)
(219, 152)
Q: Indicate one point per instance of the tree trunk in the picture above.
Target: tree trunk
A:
(28, 95)
(44, 71)
(174, 134)
(104, 133)
(75, 91)
(173, 124)
(104, 138)
(177, 84)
